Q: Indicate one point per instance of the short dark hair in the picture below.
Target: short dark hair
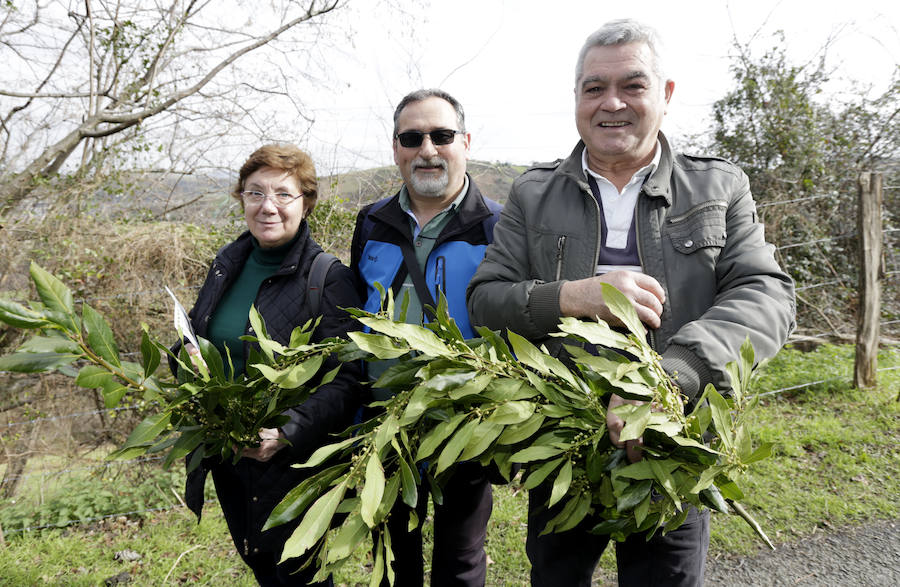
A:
(287, 158)
(622, 32)
(420, 95)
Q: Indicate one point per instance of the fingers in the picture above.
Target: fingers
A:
(584, 298)
(633, 450)
(270, 443)
(615, 424)
(195, 355)
(643, 291)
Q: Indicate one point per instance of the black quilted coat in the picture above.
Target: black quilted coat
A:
(249, 490)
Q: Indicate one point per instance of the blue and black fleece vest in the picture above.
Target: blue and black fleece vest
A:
(382, 231)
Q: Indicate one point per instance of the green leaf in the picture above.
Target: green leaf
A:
(633, 495)
(433, 439)
(572, 513)
(512, 413)
(641, 510)
(521, 431)
(315, 523)
(410, 489)
(372, 491)
(52, 343)
(54, 295)
(713, 498)
(389, 498)
(149, 428)
(535, 453)
(482, 438)
(188, 441)
(444, 382)
(763, 451)
(380, 346)
(537, 477)
(418, 338)
(113, 392)
(455, 445)
(419, 401)
(561, 483)
(92, 376)
(706, 478)
(294, 376)
(300, 497)
(18, 316)
(99, 335)
(596, 333)
(150, 355)
(386, 433)
(323, 453)
(35, 362)
(474, 386)
(622, 309)
(353, 532)
(529, 355)
(721, 416)
(664, 478)
(636, 422)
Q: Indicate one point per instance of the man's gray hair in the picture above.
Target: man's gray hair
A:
(420, 95)
(621, 32)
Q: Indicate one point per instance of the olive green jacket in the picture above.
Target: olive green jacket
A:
(698, 235)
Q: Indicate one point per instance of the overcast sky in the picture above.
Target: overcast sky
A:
(511, 64)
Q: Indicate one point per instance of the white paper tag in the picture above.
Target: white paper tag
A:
(182, 322)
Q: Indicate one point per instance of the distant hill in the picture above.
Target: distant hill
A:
(358, 188)
(206, 198)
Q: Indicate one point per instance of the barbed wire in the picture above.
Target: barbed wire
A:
(811, 383)
(798, 200)
(105, 465)
(74, 415)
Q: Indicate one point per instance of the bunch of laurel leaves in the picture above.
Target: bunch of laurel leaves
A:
(498, 400)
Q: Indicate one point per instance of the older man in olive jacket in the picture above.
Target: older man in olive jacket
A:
(678, 235)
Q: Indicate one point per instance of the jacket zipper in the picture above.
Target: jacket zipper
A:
(637, 237)
(560, 249)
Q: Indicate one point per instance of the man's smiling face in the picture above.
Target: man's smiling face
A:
(620, 102)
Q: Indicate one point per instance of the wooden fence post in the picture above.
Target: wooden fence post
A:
(871, 273)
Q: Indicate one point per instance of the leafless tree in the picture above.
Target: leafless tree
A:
(144, 81)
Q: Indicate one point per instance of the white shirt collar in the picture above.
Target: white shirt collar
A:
(640, 173)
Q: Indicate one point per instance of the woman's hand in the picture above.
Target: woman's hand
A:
(194, 353)
(271, 441)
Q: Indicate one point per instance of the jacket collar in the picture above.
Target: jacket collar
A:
(471, 210)
(657, 185)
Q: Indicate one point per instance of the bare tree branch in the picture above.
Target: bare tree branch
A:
(142, 94)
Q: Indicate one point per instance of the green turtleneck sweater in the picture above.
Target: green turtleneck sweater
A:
(229, 320)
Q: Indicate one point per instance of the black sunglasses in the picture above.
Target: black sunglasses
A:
(413, 138)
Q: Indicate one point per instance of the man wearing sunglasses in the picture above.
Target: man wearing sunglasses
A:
(425, 242)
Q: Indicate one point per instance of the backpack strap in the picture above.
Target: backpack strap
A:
(315, 281)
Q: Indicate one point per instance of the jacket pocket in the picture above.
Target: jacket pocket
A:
(701, 227)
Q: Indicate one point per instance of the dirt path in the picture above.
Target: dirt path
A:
(855, 557)
(865, 555)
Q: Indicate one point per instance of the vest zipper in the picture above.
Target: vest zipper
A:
(560, 250)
